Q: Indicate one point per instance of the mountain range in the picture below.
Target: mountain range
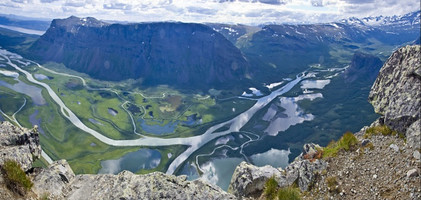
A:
(205, 56)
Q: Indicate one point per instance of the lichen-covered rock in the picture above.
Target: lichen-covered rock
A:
(59, 182)
(127, 185)
(304, 172)
(413, 135)
(53, 180)
(249, 180)
(396, 91)
(19, 144)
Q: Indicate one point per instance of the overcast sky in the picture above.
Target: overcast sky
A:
(224, 11)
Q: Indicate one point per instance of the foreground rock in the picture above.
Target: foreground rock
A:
(59, 182)
(396, 91)
(249, 180)
(19, 144)
(378, 172)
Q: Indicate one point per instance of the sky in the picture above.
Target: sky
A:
(252, 12)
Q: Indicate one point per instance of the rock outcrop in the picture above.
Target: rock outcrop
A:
(396, 92)
(249, 180)
(19, 144)
(58, 181)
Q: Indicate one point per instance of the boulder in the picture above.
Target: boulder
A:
(396, 92)
(53, 180)
(19, 144)
(249, 180)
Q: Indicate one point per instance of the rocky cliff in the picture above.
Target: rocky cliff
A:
(382, 163)
(178, 54)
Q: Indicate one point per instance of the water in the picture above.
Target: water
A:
(112, 112)
(158, 129)
(29, 90)
(41, 76)
(94, 121)
(267, 158)
(314, 84)
(133, 161)
(219, 171)
(292, 114)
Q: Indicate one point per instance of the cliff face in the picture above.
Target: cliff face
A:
(160, 53)
(364, 67)
(396, 92)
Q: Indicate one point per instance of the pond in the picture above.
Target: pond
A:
(23, 88)
(266, 158)
(133, 161)
(159, 128)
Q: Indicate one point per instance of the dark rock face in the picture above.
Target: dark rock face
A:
(364, 67)
(159, 53)
(396, 93)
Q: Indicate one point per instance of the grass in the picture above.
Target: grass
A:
(272, 191)
(15, 177)
(376, 130)
(271, 187)
(289, 193)
(347, 142)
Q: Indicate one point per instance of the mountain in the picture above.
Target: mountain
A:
(364, 67)
(179, 54)
(288, 48)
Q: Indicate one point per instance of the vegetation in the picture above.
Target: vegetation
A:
(289, 193)
(271, 186)
(15, 177)
(376, 130)
(347, 142)
(332, 184)
(272, 191)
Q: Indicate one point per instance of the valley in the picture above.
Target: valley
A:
(282, 86)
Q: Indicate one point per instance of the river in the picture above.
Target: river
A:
(194, 143)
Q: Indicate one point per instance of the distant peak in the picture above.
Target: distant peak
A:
(71, 23)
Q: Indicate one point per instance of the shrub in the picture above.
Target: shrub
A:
(289, 193)
(15, 177)
(347, 142)
(332, 184)
(271, 186)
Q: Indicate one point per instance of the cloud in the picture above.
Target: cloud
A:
(252, 12)
(118, 6)
(48, 1)
(75, 3)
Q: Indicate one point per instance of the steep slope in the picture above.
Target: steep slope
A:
(364, 67)
(382, 161)
(180, 54)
